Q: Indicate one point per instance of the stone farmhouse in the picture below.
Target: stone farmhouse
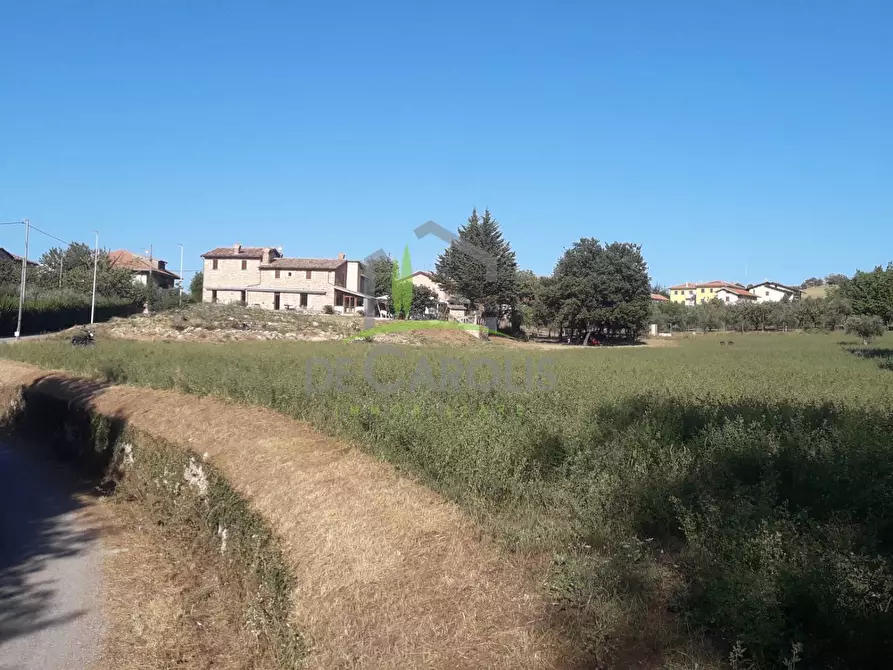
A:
(262, 277)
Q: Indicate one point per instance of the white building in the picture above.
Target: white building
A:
(770, 291)
(732, 294)
(458, 308)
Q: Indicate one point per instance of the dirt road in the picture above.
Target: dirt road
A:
(50, 567)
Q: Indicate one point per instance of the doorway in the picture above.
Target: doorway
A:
(275, 301)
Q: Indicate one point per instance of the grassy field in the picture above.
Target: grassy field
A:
(688, 497)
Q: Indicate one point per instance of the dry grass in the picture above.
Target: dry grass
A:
(184, 616)
(390, 575)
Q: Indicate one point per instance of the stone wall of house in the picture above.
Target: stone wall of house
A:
(229, 274)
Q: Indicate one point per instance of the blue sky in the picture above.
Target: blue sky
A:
(719, 135)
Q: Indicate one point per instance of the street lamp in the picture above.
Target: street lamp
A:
(180, 294)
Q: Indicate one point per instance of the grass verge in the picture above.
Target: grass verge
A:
(242, 589)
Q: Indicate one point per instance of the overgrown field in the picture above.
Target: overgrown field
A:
(689, 497)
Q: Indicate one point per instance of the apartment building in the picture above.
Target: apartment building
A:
(697, 293)
(262, 277)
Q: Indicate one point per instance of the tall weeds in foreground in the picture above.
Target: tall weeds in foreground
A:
(744, 496)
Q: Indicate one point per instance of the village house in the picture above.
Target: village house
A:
(733, 294)
(770, 291)
(14, 258)
(142, 268)
(457, 307)
(262, 277)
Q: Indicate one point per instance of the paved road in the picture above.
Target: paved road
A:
(50, 567)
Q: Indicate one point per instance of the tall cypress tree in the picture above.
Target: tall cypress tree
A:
(403, 286)
(481, 267)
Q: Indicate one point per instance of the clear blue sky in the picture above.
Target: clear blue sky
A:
(716, 134)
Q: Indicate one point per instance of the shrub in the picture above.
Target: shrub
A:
(58, 310)
(328, 309)
(866, 327)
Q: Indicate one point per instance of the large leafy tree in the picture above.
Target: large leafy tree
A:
(424, 300)
(76, 264)
(871, 293)
(603, 288)
(480, 266)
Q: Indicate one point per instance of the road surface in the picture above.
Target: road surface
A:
(50, 567)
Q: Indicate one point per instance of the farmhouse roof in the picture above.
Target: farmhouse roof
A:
(777, 285)
(657, 297)
(6, 255)
(710, 284)
(122, 258)
(304, 264)
(744, 293)
(238, 251)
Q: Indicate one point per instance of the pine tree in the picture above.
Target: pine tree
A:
(480, 266)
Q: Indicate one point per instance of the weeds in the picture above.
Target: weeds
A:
(747, 491)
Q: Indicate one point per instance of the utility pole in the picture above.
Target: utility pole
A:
(61, 261)
(18, 333)
(180, 295)
(95, 263)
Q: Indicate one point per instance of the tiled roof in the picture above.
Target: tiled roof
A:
(657, 297)
(254, 253)
(738, 291)
(8, 255)
(780, 287)
(304, 264)
(125, 259)
(709, 284)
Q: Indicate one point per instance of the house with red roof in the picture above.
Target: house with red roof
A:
(144, 268)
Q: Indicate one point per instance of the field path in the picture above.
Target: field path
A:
(389, 574)
(50, 567)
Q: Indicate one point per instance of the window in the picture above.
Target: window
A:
(214, 264)
(339, 298)
(702, 290)
(308, 274)
(303, 300)
(727, 298)
(277, 273)
(767, 294)
(244, 265)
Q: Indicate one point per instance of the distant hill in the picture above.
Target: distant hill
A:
(819, 291)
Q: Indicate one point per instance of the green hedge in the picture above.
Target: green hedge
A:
(42, 315)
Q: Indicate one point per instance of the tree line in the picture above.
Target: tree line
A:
(862, 304)
(595, 287)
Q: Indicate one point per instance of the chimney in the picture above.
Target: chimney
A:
(341, 256)
(237, 248)
(265, 257)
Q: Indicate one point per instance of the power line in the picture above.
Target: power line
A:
(12, 223)
(58, 239)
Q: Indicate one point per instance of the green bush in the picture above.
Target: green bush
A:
(55, 311)
(866, 327)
